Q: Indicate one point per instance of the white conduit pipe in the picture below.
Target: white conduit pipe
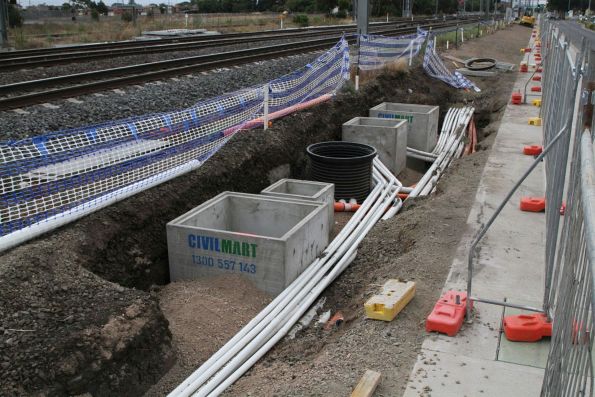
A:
(281, 299)
(256, 338)
(20, 236)
(375, 215)
(299, 298)
(304, 300)
(421, 152)
(421, 157)
(451, 146)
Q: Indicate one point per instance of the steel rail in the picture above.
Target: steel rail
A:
(161, 41)
(152, 71)
(23, 61)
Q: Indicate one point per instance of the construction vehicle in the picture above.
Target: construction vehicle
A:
(528, 19)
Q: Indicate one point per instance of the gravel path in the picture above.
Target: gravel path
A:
(114, 62)
(158, 96)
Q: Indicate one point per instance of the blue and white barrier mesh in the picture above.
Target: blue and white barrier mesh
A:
(52, 179)
(435, 68)
(377, 51)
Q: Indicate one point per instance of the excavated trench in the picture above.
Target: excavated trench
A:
(86, 288)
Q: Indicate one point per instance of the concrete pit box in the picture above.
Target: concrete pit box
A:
(388, 136)
(267, 239)
(422, 121)
(296, 189)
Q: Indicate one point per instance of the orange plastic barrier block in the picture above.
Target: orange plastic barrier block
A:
(535, 89)
(533, 150)
(527, 49)
(527, 327)
(533, 204)
(516, 98)
(563, 208)
(536, 78)
(524, 68)
(448, 313)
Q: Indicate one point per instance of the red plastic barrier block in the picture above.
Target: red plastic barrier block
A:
(535, 89)
(533, 204)
(539, 70)
(533, 150)
(527, 327)
(524, 68)
(516, 98)
(527, 49)
(563, 208)
(536, 78)
(448, 313)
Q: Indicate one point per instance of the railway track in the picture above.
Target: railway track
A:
(26, 59)
(16, 95)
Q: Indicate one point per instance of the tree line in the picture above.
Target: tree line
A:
(377, 7)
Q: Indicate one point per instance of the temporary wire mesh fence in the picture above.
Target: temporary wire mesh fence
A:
(561, 77)
(376, 51)
(60, 176)
(570, 252)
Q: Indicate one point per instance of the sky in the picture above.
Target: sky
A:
(26, 3)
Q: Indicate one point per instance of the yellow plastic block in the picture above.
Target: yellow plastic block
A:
(394, 297)
(536, 102)
(536, 121)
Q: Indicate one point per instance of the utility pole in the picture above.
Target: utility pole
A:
(3, 23)
(436, 13)
(363, 15)
(407, 8)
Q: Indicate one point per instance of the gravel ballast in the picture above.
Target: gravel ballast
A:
(120, 61)
(152, 97)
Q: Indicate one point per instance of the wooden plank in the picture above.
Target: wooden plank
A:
(459, 60)
(367, 384)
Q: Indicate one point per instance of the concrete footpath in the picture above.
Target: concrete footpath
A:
(480, 361)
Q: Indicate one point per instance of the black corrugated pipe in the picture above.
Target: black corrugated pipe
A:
(346, 164)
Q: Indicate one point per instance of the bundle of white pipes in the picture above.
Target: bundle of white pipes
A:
(450, 145)
(275, 320)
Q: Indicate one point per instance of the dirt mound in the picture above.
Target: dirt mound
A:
(65, 331)
(202, 315)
